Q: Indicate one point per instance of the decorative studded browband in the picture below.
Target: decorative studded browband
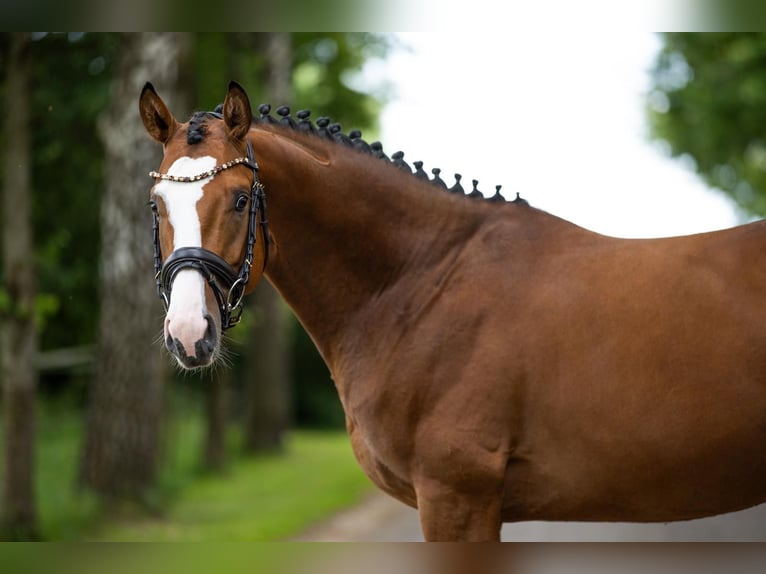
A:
(209, 173)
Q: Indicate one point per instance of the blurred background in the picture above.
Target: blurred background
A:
(630, 134)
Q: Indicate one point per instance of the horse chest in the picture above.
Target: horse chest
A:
(388, 472)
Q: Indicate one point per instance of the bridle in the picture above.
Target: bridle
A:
(227, 284)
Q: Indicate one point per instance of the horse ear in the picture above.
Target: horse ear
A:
(237, 113)
(158, 120)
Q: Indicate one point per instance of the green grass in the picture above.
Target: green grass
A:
(263, 498)
(65, 512)
(259, 499)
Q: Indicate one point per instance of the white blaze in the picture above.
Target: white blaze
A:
(186, 314)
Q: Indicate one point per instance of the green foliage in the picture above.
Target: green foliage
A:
(5, 302)
(44, 307)
(325, 77)
(325, 73)
(268, 497)
(71, 75)
(65, 511)
(709, 103)
(316, 399)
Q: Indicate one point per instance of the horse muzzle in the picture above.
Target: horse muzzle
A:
(184, 343)
(191, 332)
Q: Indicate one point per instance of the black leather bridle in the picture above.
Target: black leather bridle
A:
(227, 284)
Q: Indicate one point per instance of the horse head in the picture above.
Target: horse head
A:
(207, 202)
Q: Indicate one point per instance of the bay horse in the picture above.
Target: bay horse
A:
(495, 362)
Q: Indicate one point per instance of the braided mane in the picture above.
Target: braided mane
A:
(326, 129)
(198, 127)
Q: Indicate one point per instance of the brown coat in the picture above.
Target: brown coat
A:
(497, 363)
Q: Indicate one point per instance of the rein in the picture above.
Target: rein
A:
(227, 284)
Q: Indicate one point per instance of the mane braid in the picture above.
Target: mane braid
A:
(332, 131)
(198, 126)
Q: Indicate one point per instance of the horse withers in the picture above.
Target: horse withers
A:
(495, 363)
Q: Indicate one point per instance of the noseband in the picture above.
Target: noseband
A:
(227, 284)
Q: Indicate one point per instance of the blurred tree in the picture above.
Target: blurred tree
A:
(708, 102)
(18, 336)
(121, 448)
(70, 87)
(216, 393)
(326, 76)
(266, 414)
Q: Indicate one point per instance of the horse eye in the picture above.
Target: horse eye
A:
(241, 202)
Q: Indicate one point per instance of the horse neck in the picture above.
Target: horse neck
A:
(347, 228)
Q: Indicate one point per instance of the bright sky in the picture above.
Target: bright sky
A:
(559, 118)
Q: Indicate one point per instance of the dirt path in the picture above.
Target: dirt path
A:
(380, 518)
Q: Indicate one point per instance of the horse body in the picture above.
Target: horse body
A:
(497, 363)
(645, 393)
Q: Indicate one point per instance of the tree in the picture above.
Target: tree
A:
(18, 337)
(708, 102)
(70, 78)
(121, 450)
(266, 380)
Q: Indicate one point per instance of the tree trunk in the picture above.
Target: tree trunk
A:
(216, 416)
(121, 450)
(266, 384)
(267, 388)
(18, 336)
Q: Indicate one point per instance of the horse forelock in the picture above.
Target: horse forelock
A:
(198, 128)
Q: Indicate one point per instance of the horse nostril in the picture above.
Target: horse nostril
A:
(210, 334)
(176, 347)
(207, 348)
(207, 344)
